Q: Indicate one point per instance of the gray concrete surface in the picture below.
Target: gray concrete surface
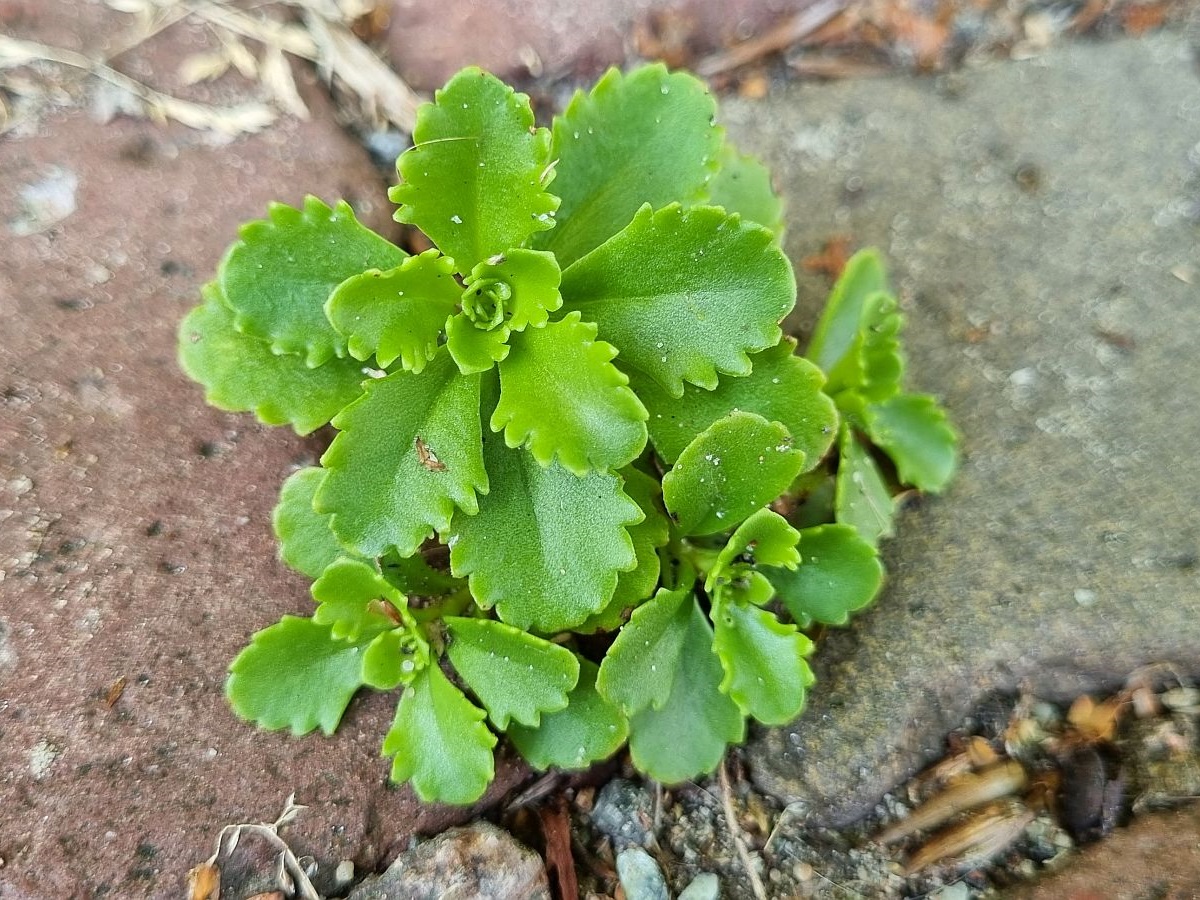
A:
(1042, 219)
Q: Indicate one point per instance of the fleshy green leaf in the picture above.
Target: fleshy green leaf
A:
(646, 137)
(475, 350)
(409, 452)
(355, 599)
(440, 742)
(763, 659)
(394, 658)
(560, 395)
(735, 466)
(526, 280)
(813, 493)
(862, 499)
(750, 586)
(913, 430)
(474, 180)
(684, 294)
(743, 185)
(639, 668)
(765, 539)
(295, 675)
(842, 317)
(277, 278)
(873, 367)
(840, 573)
(516, 675)
(782, 388)
(522, 550)
(588, 730)
(306, 542)
(414, 577)
(241, 374)
(397, 314)
(648, 535)
(688, 735)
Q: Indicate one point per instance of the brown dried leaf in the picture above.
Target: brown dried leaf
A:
(968, 792)
(204, 882)
(831, 260)
(373, 23)
(114, 692)
(924, 38)
(754, 86)
(980, 753)
(1095, 721)
(1137, 19)
(974, 840)
(560, 864)
(1081, 710)
(667, 35)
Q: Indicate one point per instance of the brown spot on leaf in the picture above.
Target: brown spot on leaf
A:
(427, 457)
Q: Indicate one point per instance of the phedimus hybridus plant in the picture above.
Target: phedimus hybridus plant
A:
(583, 395)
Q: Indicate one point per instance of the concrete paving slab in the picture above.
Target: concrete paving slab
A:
(1043, 224)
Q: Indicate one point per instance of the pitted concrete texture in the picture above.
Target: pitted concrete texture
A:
(135, 537)
(1043, 224)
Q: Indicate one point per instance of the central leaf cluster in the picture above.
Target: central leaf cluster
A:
(575, 413)
(507, 338)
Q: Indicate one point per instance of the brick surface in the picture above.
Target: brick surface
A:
(135, 538)
(429, 42)
(1156, 858)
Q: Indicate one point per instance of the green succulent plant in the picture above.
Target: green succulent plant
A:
(583, 393)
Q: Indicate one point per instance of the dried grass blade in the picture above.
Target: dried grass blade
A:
(288, 38)
(276, 75)
(383, 95)
(792, 29)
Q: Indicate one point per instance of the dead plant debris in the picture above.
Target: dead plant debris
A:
(854, 38)
(258, 44)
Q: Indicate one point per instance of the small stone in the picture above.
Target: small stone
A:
(640, 875)
(479, 860)
(1181, 699)
(344, 873)
(624, 812)
(704, 886)
(20, 485)
(960, 890)
(46, 202)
